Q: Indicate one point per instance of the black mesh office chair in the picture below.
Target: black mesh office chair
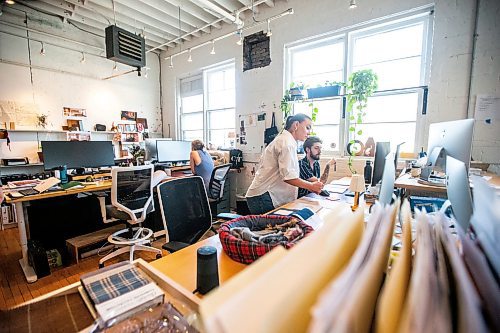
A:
(131, 201)
(216, 185)
(185, 211)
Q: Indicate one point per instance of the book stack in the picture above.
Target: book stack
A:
(117, 292)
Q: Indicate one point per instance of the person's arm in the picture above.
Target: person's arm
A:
(194, 159)
(315, 187)
(326, 173)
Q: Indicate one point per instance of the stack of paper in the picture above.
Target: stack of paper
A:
(276, 292)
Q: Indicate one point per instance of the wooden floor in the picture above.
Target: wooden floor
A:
(15, 290)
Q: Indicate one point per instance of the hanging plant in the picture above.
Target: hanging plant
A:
(42, 120)
(360, 86)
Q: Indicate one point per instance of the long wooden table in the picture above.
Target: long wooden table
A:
(21, 204)
(181, 265)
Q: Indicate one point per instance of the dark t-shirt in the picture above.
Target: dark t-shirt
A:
(307, 172)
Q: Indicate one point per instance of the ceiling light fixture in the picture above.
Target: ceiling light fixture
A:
(352, 4)
(171, 63)
(213, 47)
(269, 32)
(83, 58)
(42, 50)
(10, 2)
(190, 58)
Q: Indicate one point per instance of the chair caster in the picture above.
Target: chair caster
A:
(101, 265)
(158, 256)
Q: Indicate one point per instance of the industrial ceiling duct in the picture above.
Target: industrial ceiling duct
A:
(125, 47)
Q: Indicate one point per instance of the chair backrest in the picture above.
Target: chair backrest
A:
(217, 180)
(132, 190)
(184, 209)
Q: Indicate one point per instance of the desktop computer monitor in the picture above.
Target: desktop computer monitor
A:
(458, 191)
(454, 137)
(381, 151)
(169, 151)
(77, 154)
(388, 178)
(150, 148)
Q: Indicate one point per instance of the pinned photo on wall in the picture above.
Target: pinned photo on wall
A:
(142, 124)
(128, 115)
(74, 112)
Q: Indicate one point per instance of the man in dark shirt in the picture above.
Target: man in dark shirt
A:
(309, 165)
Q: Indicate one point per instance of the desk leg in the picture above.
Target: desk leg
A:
(29, 272)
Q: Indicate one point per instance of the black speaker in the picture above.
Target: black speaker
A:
(207, 277)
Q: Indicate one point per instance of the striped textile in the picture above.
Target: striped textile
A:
(306, 172)
(115, 285)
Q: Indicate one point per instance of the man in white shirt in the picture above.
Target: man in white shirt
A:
(277, 178)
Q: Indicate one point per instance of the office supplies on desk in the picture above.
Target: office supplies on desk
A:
(28, 191)
(44, 185)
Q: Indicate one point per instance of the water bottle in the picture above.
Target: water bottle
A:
(422, 153)
(63, 174)
(368, 172)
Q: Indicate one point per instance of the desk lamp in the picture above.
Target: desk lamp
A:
(357, 185)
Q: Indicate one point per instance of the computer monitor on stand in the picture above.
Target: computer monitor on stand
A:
(173, 152)
(381, 151)
(77, 154)
(450, 138)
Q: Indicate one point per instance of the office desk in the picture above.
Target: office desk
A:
(409, 184)
(181, 265)
(20, 205)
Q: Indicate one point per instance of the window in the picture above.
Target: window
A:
(396, 50)
(207, 107)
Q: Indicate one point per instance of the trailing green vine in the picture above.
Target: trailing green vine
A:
(360, 86)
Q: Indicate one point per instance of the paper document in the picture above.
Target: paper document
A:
(334, 188)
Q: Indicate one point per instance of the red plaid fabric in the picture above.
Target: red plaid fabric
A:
(247, 252)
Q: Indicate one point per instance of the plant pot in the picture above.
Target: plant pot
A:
(321, 92)
(296, 93)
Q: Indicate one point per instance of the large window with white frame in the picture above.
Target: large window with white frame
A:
(397, 50)
(207, 107)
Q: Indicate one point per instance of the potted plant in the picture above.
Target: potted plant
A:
(138, 154)
(328, 89)
(361, 85)
(42, 120)
(296, 91)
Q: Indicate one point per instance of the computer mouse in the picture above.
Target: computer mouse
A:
(324, 193)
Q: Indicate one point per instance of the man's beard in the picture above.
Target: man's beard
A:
(315, 157)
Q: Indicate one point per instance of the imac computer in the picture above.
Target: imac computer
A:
(168, 151)
(381, 151)
(150, 148)
(458, 191)
(388, 178)
(77, 154)
(451, 138)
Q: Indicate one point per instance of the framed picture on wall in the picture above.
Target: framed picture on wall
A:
(130, 137)
(142, 124)
(75, 125)
(128, 115)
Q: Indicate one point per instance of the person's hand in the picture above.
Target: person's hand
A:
(1, 194)
(332, 162)
(316, 187)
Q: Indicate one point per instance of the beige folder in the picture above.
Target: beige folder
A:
(427, 307)
(278, 299)
(468, 304)
(348, 304)
(392, 297)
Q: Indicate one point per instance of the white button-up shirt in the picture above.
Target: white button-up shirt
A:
(278, 163)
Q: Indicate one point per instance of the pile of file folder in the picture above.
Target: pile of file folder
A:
(346, 277)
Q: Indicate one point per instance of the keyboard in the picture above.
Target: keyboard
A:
(28, 191)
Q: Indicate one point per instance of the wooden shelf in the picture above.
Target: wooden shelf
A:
(57, 131)
(21, 165)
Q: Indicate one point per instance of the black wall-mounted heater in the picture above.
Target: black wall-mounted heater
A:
(125, 47)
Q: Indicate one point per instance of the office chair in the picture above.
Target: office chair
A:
(185, 211)
(131, 201)
(216, 185)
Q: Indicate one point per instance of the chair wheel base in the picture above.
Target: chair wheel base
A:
(158, 256)
(101, 266)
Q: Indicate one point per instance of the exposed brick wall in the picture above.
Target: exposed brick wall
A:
(256, 51)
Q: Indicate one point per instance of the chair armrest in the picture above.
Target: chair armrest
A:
(174, 246)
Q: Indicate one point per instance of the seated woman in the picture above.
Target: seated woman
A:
(201, 162)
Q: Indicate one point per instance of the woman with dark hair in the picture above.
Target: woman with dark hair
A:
(201, 162)
(277, 178)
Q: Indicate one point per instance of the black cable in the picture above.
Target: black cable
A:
(84, 30)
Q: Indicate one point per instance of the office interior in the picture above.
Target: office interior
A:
(216, 71)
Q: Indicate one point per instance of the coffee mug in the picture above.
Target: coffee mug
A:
(415, 171)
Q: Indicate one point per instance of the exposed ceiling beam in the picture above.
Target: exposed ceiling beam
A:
(219, 11)
(270, 3)
(228, 5)
(196, 11)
